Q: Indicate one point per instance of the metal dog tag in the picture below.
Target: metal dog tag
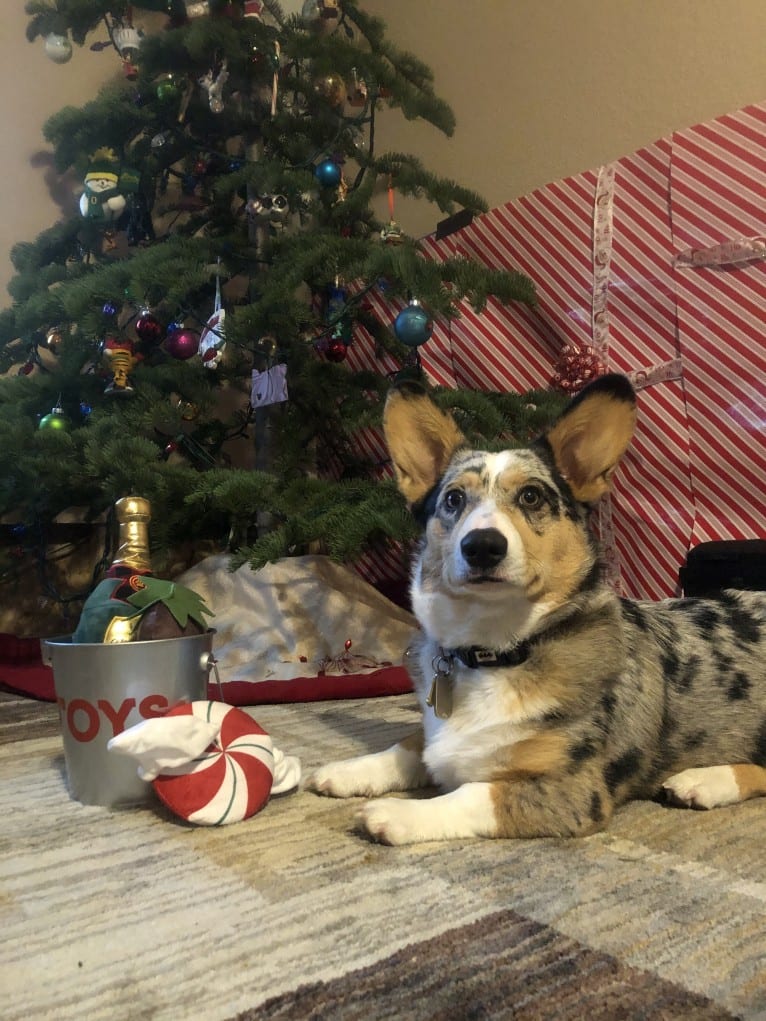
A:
(440, 695)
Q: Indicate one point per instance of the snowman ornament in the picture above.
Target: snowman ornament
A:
(103, 198)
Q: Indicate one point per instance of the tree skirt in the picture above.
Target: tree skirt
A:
(302, 629)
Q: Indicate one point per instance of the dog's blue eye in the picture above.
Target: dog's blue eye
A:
(454, 499)
(530, 497)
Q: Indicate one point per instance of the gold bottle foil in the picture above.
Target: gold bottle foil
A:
(133, 516)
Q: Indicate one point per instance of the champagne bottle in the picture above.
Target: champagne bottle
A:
(131, 604)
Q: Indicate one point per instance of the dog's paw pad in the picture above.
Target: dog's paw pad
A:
(387, 821)
(708, 787)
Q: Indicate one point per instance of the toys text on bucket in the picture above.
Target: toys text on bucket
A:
(84, 719)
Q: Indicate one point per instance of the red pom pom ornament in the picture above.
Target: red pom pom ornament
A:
(576, 367)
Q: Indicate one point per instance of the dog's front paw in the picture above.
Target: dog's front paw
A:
(705, 787)
(391, 821)
(337, 780)
(368, 776)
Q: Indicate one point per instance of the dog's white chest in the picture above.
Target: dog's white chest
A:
(476, 738)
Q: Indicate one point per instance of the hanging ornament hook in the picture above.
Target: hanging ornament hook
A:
(391, 234)
(275, 79)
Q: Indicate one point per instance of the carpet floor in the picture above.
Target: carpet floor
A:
(131, 914)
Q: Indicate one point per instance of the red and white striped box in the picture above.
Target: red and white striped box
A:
(658, 262)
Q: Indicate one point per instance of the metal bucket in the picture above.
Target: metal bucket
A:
(104, 689)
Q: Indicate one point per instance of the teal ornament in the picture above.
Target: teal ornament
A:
(413, 326)
(328, 173)
(337, 315)
(344, 330)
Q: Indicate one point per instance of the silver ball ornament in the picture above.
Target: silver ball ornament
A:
(280, 207)
(58, 47)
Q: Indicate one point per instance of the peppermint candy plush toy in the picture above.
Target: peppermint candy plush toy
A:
(209, 762)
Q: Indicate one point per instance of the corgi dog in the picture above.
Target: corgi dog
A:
(547, 700)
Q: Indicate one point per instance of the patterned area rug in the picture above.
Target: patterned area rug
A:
(290, 915)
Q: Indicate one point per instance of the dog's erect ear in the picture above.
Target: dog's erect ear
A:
(421, 440)
(592, 434)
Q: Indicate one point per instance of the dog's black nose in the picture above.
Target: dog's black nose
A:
(484, 547)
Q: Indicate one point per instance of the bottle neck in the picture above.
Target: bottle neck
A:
(133, 516)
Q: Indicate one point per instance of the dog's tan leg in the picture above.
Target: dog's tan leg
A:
(399, 768)
(714, 786)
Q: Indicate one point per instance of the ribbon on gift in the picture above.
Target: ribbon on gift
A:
(641, 378)
(603, 233)
(728, 253)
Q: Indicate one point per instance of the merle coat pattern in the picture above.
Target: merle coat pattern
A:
(547, 700)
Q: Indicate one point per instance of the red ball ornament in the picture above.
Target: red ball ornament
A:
(335, 351)
(182, 343)
(227, 9)
(149, 329)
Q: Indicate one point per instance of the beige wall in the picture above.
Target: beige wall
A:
(546, 88)
(32, 87)
(541, 89)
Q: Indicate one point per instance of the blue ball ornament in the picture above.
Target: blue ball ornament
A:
(328, 173)
(413, 326)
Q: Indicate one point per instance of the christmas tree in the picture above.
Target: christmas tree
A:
(186, 334)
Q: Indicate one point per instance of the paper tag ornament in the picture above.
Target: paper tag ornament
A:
(269, 387)
(212, 340)
(209, 762)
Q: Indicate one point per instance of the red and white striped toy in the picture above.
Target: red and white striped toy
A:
(231, 780)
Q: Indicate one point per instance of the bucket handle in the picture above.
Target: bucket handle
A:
(208, 663)
(45, 653)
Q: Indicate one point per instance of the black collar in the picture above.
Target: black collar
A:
(475, 656)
